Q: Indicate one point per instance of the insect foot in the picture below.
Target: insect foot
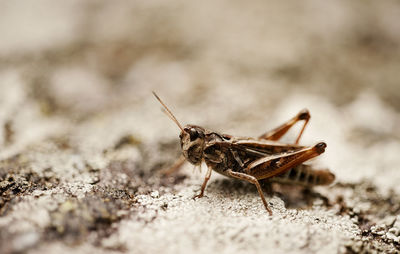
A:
(198, 196)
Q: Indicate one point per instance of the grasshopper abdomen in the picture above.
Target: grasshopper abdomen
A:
(305, 175)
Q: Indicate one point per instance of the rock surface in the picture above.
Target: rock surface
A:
(83, 141)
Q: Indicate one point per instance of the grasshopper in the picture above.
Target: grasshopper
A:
(252, 159)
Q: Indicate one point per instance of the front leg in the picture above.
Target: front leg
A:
(174, 168)
(253, 180)
(203, 187)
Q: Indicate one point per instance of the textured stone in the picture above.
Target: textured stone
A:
(83, 141)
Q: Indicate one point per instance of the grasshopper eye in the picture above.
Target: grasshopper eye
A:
(193, 134)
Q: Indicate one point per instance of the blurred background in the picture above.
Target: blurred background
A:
(79, 74)
(78, 54)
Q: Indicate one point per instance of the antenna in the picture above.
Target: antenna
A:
(169, 113)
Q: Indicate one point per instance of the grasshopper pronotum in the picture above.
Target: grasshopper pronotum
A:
(252, 159)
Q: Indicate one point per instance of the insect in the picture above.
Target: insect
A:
(252, 159)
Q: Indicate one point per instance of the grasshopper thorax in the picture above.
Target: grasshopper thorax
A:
(192, 143)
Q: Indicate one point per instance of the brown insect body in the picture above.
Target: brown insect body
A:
(253, 160)
(221, 152)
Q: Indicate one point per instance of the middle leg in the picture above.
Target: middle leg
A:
(253, 180)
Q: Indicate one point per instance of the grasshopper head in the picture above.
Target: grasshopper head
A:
(192, 138)
(192, 143)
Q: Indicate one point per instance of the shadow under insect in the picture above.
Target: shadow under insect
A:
(293, 196)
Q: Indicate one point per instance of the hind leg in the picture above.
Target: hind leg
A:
(281, 130)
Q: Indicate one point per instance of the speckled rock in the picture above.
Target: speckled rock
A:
(83, 141)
